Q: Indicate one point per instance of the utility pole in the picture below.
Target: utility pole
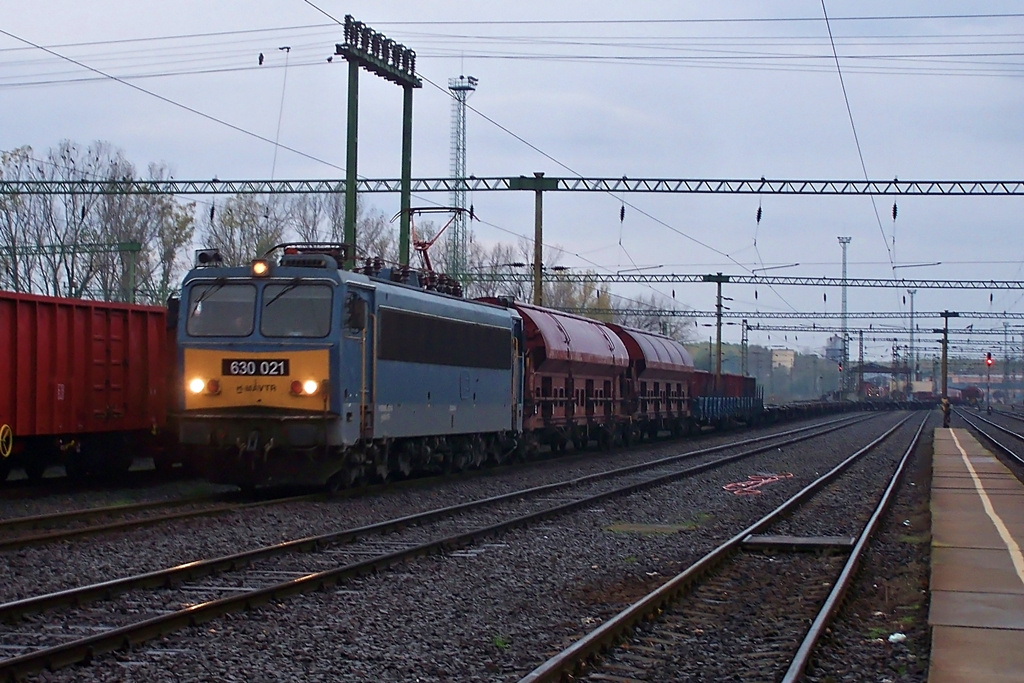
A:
(1006, 360)
(538, 183)
(946, 315)
(718, 279)
(458, 237)
(860, 364)
(913, 351)
(744, 348)
(845, 242)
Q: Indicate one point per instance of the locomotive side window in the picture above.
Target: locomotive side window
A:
(218, 309)
(418, 338)
(355, 312)
(296, 310)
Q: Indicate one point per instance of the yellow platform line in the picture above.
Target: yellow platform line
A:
(1004, 533)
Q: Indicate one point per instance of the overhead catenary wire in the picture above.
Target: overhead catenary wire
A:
(853, 127)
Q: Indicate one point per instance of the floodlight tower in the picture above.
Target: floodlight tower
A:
(845, 242)
(461, 88)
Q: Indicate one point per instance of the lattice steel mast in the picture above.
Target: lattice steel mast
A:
(458, 233)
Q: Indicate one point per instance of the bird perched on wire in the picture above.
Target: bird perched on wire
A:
(261, 59)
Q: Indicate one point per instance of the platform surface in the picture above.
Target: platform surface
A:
(977, 572)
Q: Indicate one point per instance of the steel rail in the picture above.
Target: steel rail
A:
(85, 513)
(832, 603)
(85, 648)
(64, 534)
(568, 662)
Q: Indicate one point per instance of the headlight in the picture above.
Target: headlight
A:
(198, 386)
(307, 388)
(260, 267)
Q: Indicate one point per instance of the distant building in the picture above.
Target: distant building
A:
(783, 358)
(834, 349)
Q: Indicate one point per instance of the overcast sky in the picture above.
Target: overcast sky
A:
(598, 89)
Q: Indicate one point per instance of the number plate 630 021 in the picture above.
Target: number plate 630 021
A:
(254, 367)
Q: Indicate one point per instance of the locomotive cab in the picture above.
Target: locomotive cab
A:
(255, 347)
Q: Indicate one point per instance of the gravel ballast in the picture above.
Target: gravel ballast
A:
(490, 613)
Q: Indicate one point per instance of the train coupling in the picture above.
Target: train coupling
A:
(252, 444)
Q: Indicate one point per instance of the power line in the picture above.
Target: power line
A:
(167, 100)
(856, 138)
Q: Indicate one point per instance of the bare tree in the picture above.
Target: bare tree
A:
(16, 270)
(678, 327)
(244, 228)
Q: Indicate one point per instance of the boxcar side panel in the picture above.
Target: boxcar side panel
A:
(80, 366)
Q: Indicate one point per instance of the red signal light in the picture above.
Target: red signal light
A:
(988, 359)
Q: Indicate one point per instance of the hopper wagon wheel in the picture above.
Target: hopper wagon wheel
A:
(6, 448)
(6, 441)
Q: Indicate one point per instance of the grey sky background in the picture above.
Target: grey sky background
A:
(601, 89)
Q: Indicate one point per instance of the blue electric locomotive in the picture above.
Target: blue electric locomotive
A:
(297, 372)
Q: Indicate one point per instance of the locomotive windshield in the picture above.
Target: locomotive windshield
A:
(296, 310)
(219, 309)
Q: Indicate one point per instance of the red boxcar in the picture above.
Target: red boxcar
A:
(81, 383)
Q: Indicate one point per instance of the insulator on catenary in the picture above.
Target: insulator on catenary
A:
(622, 213)
(894, 210)
(759, 214)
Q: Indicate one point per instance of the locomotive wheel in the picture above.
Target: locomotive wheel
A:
(403, 463)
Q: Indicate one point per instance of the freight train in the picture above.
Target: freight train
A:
(85, 384)
(296, 371)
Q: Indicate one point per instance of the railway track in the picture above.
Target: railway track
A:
(39, 529)
(138, 608)
(21, 532)
(1011, 450)
(742, 611)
